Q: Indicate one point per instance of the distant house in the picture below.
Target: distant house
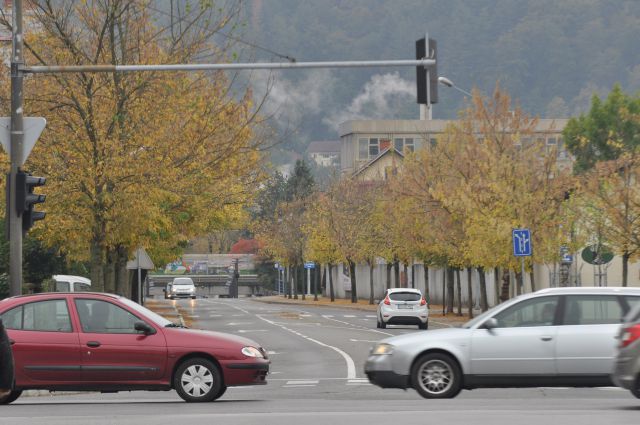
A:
(371, 149)
(325, 153)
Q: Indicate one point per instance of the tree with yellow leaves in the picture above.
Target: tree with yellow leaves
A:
(139, 159)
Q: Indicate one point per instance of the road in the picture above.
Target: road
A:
(317, 377)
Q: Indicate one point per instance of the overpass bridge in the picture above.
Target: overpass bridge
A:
(212, 285)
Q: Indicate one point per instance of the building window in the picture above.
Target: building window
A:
(363, 148)
(398, 144)
(408, 144)
(374, 149)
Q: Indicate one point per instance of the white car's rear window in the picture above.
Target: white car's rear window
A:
(404, 296)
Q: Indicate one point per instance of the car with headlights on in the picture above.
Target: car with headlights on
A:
(107, 343)
(553, 337)
(403, 306)
(627, 368)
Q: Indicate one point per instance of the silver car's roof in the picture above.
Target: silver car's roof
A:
(586, 290)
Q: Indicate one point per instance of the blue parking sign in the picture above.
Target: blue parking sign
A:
(521, 242)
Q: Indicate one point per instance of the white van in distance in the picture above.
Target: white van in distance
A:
(67, 283)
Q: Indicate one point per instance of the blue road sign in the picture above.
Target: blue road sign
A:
(521, 242)
(309, 265)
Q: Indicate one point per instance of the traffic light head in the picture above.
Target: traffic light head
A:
(26, 199)
(427, 52)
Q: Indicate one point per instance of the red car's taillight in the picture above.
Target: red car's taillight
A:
(423, 301)
(630, 335)
(387, 301)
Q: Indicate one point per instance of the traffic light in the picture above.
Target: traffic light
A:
(26, 199)
(421, 71)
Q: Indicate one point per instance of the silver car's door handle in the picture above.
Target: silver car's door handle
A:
(546, 338)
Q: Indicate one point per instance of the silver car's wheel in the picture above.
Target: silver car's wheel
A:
(436, 375)
(198, 380)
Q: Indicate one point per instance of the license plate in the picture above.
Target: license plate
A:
(404, 307)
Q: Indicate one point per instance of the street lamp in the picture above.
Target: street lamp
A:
(447, 82)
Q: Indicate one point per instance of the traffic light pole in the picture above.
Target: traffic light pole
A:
(17, 138)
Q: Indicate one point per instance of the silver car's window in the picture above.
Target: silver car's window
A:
(404, 296)
(592, 310)
(532, 312)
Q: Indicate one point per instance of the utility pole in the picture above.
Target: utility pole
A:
(17, 138)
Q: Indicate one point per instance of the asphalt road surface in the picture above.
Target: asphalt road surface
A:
(317, 356)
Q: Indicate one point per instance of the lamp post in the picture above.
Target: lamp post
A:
(447, 82)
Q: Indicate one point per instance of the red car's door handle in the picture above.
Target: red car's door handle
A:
(93, 344)
(11, 342)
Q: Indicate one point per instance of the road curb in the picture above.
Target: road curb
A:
(314, 305)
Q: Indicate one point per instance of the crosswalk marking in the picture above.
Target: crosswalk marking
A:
(301, 382)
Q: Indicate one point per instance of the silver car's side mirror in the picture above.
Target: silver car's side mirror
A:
(491, 323)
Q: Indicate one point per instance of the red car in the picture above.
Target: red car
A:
(103, 342)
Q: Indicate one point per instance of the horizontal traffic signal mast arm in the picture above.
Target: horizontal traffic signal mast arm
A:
(44, 69)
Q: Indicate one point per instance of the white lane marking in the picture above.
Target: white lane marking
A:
(237, 315)
(215, 315)
(239, 323)
(611, 388)
(348, 316)
(360, 340)
(371, 316)
(327, 316)
(244, 331)
(306, 315)
(351, 366)
(273, 373)
(272, 353)
(297, 386)
(359, 327)
(358, 380)
(353, 384)
(300, 382)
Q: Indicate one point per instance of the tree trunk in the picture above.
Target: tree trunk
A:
(122, 274)
(450, 289)
(533, 282)
(470, 300)
(426, 282)
(396, 267)
(305, 275)
(295, 282)
(444, 290)
(405, 281)
(389, 266)
(459, 287)
(332, 294)
(109, 274)
(625, 267)
(483, 289)
(323, 281)
(504, 293)
(96, 264)
(496, 283)
(354, 289)
(316, 278)
(371, 265)
(519, 282)
(413, 275)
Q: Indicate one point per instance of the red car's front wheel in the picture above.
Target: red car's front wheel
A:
(198, 380)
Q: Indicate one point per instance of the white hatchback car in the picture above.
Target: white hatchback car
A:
(403, 306)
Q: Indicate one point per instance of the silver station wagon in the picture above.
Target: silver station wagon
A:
(553, 337)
